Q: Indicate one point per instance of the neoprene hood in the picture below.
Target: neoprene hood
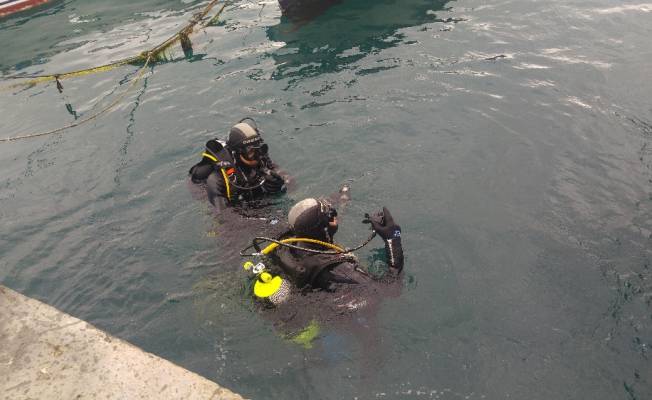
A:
(310, 217)
(243, 134)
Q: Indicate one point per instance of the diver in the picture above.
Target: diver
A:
(307, 257)
(238, 170)
(317, 219)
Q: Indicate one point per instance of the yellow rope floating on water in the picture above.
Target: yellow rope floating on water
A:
(155, 53)
(92, 117)
(147, 57)
(36, 79)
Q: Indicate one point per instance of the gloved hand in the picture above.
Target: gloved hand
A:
(383, 223)
(274, 183)
(266, 162)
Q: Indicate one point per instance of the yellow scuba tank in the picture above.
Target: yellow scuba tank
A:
(276, 290)
(273, 289)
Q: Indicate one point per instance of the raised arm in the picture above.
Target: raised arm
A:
(384, 225)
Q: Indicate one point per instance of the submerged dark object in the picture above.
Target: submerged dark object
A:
(298, 10)
(325, 36)
(8, 7)
(186, 44)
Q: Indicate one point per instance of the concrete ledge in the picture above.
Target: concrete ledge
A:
(47, 354)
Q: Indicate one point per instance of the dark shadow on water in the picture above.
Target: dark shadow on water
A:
(300, 11)
(329, 36)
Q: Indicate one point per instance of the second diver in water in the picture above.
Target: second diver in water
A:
(239, 169)
(307, 257)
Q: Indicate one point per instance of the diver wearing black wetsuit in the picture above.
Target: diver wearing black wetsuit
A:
(326, 284)
(238, 170)
(317, 219)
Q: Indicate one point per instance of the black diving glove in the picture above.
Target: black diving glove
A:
(274, 183)
(383, 224)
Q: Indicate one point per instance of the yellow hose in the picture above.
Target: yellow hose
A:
(226, 182)
(226, 178)
(273, 246)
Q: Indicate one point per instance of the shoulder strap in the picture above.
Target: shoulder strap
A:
(222, 159)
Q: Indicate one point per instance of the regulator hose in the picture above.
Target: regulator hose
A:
(255, 243)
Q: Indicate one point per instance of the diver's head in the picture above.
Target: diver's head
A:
(245, 141)
(313, 218)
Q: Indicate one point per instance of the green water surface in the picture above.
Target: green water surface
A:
(512, 141)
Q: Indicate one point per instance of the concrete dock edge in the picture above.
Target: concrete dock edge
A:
(47, 354)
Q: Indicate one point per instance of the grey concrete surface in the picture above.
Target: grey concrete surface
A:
(47, 354)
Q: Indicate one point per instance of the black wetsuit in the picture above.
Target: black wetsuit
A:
(330, 287)
(327, 286)
(230, 182)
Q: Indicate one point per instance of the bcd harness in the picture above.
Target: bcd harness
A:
(305, 268)
(225, 168)
(223, 160)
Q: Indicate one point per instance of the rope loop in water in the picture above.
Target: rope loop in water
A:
(156, 51)
(83, 121)
(148, 56)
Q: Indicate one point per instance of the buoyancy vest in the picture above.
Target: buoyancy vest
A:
(303, 267)
(217, 157)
